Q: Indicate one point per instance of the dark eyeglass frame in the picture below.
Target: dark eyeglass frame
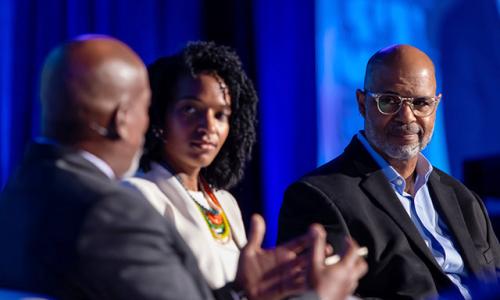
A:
(409, 100)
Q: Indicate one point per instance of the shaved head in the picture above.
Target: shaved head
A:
(95, 97)
(404, 71)
(402, 61)
(83, 82)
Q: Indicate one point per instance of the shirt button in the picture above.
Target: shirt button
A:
(399, 182)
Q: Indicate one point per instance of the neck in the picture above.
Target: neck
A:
(106, 152)
(406, 168)
(190, 181)
(189, 177)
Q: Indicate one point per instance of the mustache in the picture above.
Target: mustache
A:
(404, 129)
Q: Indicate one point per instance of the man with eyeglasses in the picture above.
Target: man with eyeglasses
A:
(427, 235)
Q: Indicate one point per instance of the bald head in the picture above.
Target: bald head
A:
(400, 77)
(83, 83)
(403, 64)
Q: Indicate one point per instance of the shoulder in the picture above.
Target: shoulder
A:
(144, 185)
(147, 180)
(119, 207)
(439, 177)
(228, 202)
(113, 195)
(337, 177)
(226, 197)
(151, 192)
(468, 200)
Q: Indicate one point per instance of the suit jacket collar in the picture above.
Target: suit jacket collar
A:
(443, 197)
(446, 203)
(376, 185)
(378, 188)
(62, 156)
(175, 191)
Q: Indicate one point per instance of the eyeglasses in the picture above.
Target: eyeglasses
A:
(390, 104)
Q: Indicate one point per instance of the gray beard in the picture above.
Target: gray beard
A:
(398, 152)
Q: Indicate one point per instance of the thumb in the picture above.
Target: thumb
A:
(257, 231)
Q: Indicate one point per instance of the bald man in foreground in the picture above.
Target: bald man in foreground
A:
(69, 230)
(428, 236)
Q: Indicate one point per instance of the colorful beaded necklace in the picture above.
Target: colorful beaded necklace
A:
(214, 215)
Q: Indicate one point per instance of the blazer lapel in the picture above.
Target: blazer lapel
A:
(176, 193)
(378, 188)
(65, 157)
(238, 233)
(380, 191)
(448, 208)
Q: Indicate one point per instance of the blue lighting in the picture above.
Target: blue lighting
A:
(286, 86)
(347, 34)
(5, 84)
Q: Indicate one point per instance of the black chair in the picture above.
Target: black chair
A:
(482, 175)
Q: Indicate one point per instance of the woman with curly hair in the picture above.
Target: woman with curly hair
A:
(203, 115)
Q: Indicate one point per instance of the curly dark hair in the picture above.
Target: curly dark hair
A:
(206, 57)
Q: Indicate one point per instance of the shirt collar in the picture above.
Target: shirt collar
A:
(99, 163)
(96, 161)
(423, 169)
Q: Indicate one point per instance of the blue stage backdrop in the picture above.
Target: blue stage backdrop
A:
(5, 90)
(307, 59)
(286, 85)
(347, 34)
(30, 29)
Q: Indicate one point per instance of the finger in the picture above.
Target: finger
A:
(359, 271)
(352, 286)
(360, 268)
(283, 280)
(297, 245)
(290, 266)
(318, 235)
(295, 284)
(351, 242)
(303, 242)
(354, 261)
(351, 256)
(317, 256)
(328, 250)
(257, 231)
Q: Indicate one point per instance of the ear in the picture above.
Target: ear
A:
(120, 121)
(360, 97)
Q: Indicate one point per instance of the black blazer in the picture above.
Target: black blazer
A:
(68, 231)
(351, 196)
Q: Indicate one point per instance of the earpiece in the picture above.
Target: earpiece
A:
(105, 132)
